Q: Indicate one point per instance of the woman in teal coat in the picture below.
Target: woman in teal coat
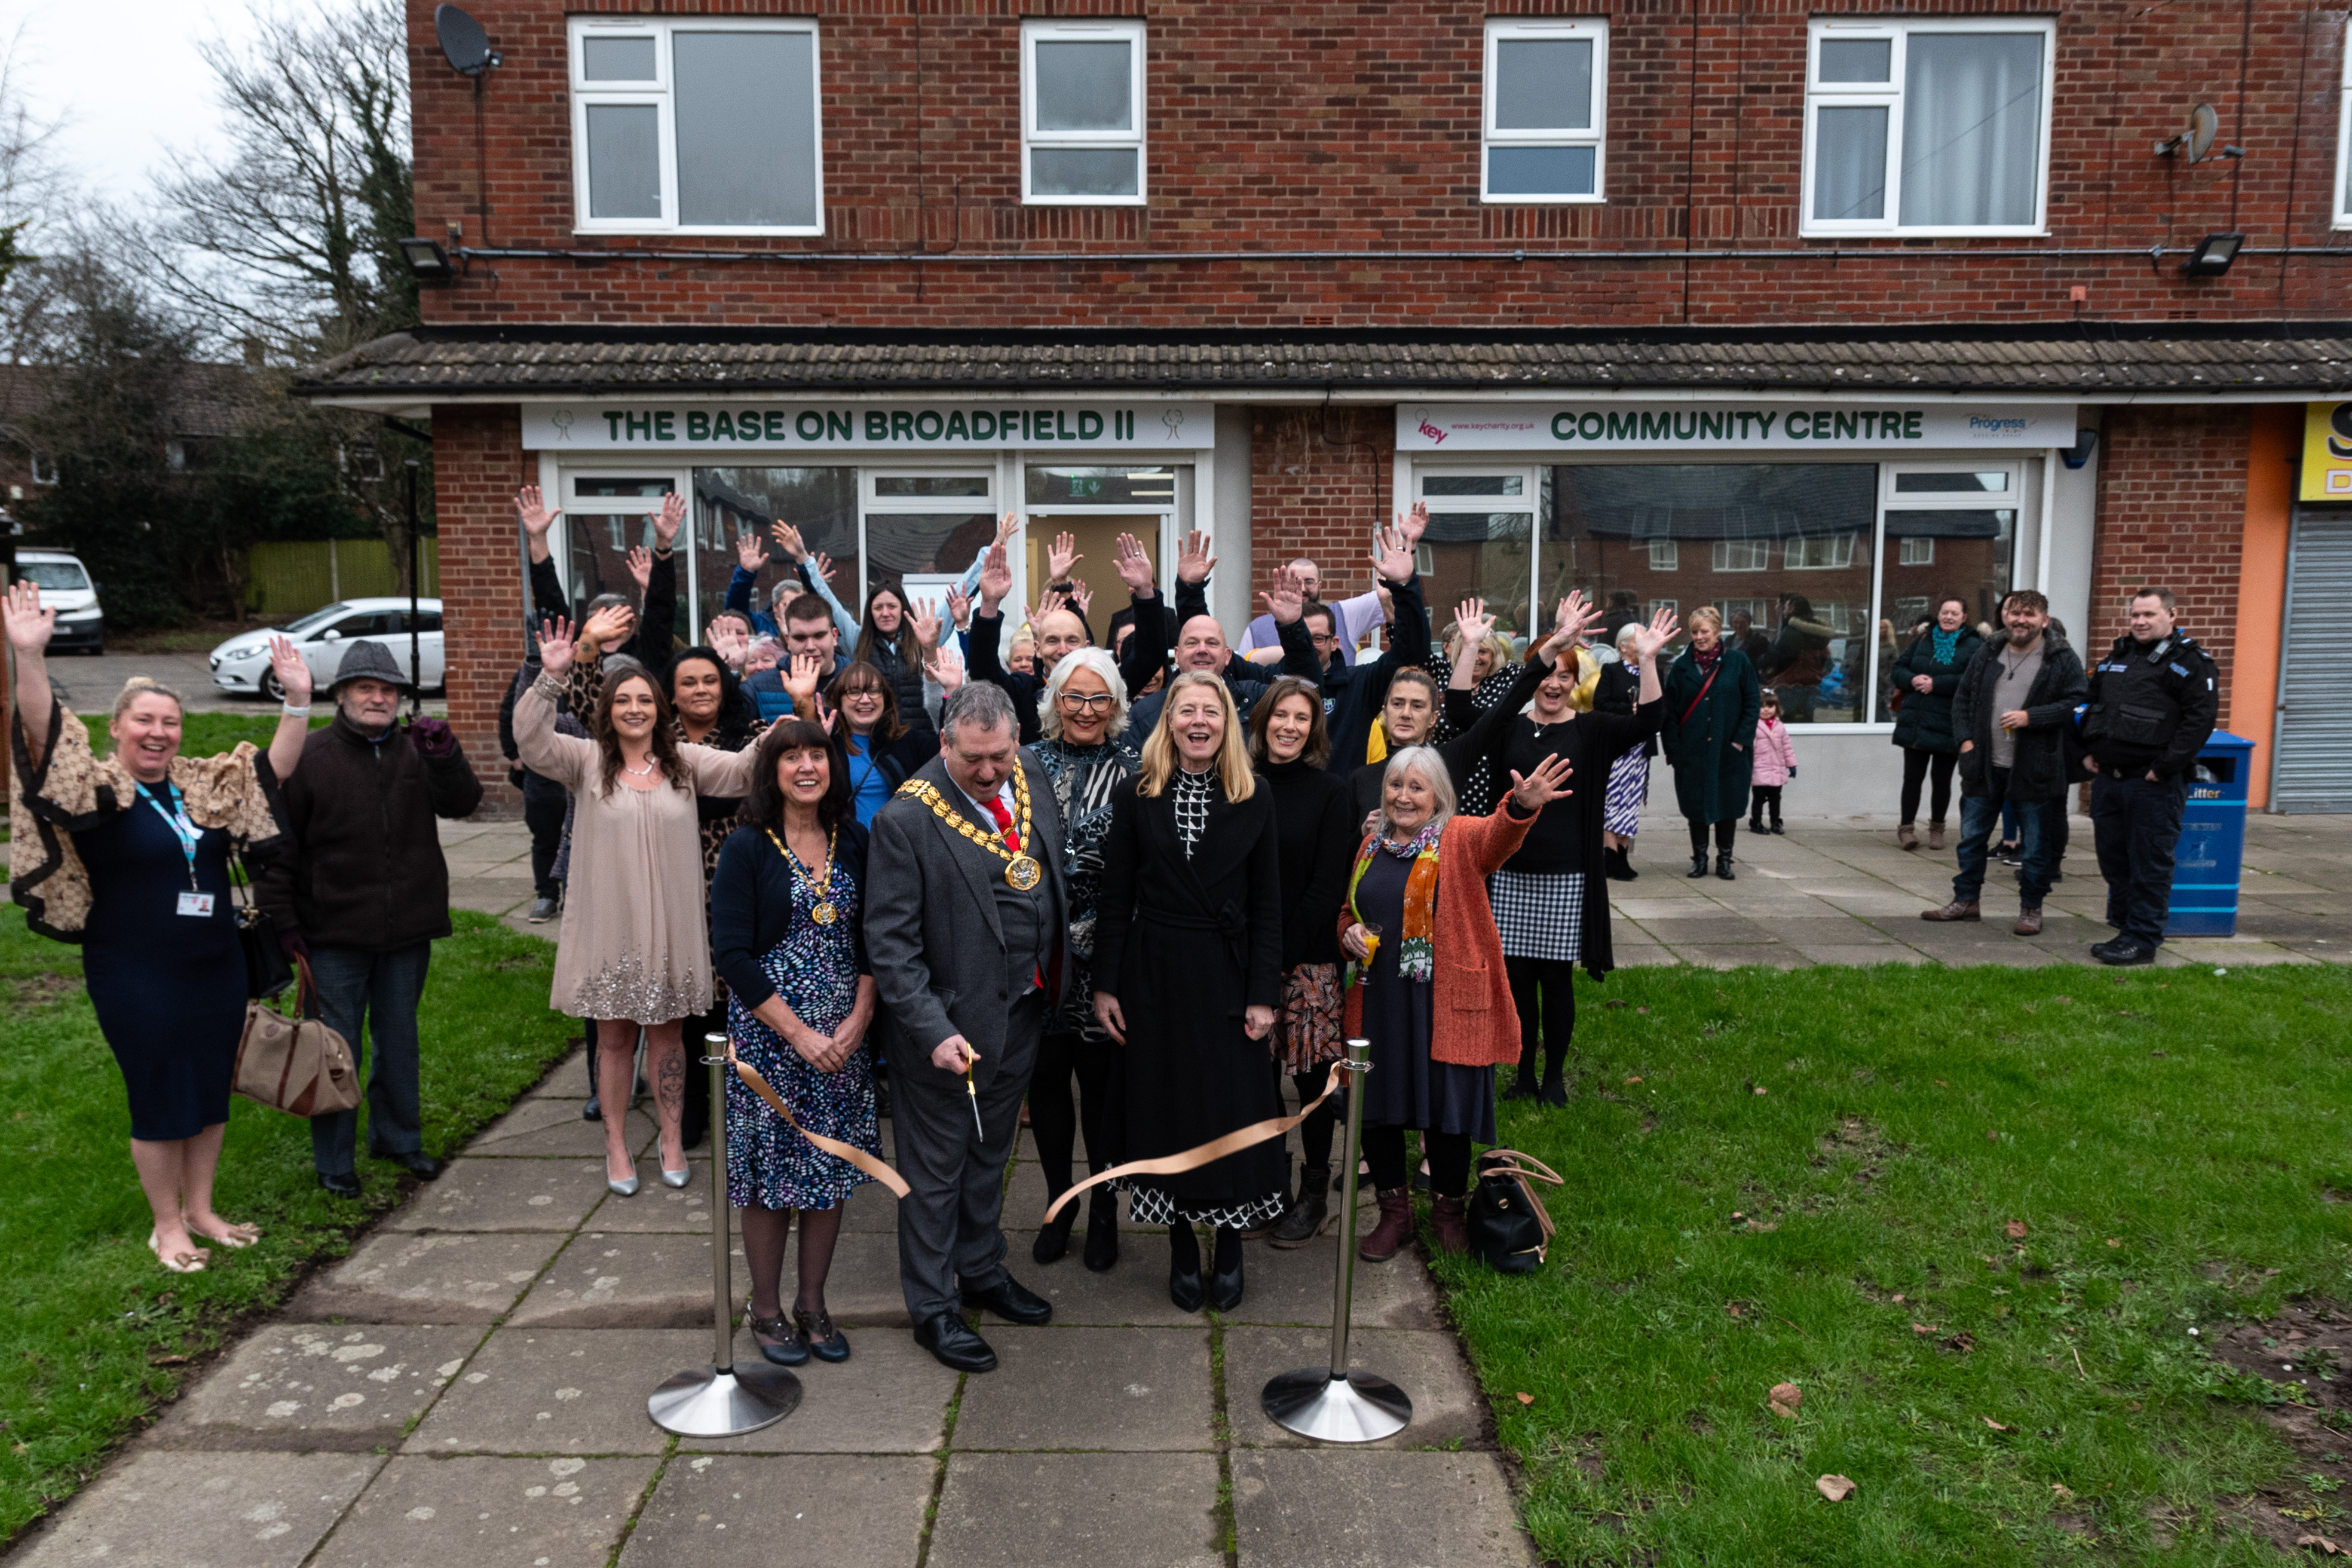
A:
(1712, 701)
(1924, 677)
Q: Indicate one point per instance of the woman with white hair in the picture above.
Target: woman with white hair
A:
(1431, 993)
(1188, 972)
(1088, 755)
(1629, 775)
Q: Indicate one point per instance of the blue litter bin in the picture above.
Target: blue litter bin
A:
(2209, 863)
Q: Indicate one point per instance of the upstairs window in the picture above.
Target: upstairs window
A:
(1082, 113)
(1547, 86)
(1934, 127)
(696, 126)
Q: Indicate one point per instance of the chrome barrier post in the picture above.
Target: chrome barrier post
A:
(723, 1399)
(1333, 1403)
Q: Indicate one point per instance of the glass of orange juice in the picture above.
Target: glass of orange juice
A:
(1371, 942)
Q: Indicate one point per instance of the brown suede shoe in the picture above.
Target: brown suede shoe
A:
(1906, 837)
(1955, 910)
(1396, 1225)
(1935, 836)
(1450, 1224)
(2029, 922)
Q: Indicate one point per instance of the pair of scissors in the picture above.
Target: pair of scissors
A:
(972, 1091)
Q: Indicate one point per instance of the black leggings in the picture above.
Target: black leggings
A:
(1760, 797)
(1449, 1160)
(1315, 1132)
(1543, 990)
(1725, 831)
(1917, 765)
(1054, 1122)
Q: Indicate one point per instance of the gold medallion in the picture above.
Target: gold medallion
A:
(825, 914)
(1022, 873)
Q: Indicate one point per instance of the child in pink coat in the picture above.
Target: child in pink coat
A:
(1775, 764)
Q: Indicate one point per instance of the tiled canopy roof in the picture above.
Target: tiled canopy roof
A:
(452, 362)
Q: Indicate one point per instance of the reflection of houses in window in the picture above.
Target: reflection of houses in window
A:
(1916, 553)
(1663, 555)
(1669, 604)
(1821, 553)
(1743, 554)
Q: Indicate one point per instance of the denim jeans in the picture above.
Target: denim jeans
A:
(1980, 815)
(379, 990)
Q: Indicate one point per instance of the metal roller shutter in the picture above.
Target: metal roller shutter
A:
(2314, 769)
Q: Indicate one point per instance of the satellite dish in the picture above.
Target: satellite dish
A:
(463, 43)
(2204, 126)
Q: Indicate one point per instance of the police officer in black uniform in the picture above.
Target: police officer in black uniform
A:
(2153, 700)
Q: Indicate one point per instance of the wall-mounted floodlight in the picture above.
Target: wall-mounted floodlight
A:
(427, 262)
(2213, 255)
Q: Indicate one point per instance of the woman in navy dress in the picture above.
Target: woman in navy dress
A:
(785, 918)
(128, 856)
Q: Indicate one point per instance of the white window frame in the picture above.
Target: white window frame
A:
(1758, 553)
(1665, 556)
(1794, 559)
(1914, 550)
(2341, 203)
(1858, 95)
(658, 94)
(1597, 30)
(1084, 31)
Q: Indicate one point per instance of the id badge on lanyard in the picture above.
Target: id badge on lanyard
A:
(195, 903)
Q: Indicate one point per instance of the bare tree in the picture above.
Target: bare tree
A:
(33, 204)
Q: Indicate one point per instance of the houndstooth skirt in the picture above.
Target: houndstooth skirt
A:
(1629, 790)
(1539, 913)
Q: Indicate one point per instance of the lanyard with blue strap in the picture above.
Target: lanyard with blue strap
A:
(176, 819)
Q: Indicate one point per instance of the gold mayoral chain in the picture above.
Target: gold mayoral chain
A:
(1021, 870)
(821, 911)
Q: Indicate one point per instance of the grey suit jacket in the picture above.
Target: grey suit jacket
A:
(932, 934)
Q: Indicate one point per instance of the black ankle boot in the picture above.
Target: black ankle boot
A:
(1698, 865)
(1722, 869)
(1054, 1237)
(1184, 1268)
(1225, 1280)
(1102, 1230)
(1310, 1213)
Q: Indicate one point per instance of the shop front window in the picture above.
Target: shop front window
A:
(1480, 544)
(821, 503)
(1950, 532)
(609, 516)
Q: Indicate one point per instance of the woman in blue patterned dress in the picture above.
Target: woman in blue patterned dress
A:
(785, 911)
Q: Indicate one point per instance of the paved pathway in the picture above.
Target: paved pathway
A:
(468, 1388)
(1825, 893)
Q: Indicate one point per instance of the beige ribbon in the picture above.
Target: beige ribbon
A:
(833, 1146)
(1192, 1158)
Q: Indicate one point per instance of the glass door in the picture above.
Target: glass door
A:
(1481, 544)
(1095, 506)
(605, 516)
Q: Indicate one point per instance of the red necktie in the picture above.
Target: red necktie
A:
(1004, 823)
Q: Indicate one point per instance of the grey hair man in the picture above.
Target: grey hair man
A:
(966, 907)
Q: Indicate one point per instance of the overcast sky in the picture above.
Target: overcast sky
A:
(124, 77)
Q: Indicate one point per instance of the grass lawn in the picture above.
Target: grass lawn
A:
(1934, 1200)
(209, 734)
(92, 1332)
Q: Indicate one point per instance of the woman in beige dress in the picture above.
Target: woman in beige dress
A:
(634, 948)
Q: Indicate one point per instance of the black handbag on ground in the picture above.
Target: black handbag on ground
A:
(1509, 1227)
(267, 971)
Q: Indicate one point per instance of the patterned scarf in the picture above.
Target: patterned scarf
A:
(1707, 657)
(1947, 643)
(1416, 949)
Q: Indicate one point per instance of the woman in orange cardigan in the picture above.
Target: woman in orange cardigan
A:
(1432, 998)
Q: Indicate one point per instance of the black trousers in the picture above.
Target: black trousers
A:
(1761, 797)
(2136, 825)
(542, 813)
(1449, 1160)
(1543, 992)
(1056, 1118)
(1725, 831)
(1919, 765)
(1315, 1132)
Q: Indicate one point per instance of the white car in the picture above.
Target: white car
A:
(241, 665)
(65, 588)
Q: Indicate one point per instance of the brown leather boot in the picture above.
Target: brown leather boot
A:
(1957, 910)
(1935, 836)
(1396, 1225)
(1906, 837)
(2029, 922)
(1453, 1226)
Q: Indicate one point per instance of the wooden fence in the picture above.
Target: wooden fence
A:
(292, 578)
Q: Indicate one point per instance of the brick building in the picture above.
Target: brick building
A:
(1811, 312)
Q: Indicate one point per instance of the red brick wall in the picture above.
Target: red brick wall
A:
(1353, 125)
(1318, 483)
(477, 463)
(2173, 503)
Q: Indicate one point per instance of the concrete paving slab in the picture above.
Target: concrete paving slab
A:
(1638, 954)
(862, 1288)
(1884, 953)
(157, 1510)
(1135, 1290)
(608, 1280)
(560, 1390)
(1131, 1390)
(657, 1207)
(1024, 1202)
(1769, 955)
(300, 1386)
(1448, 1411)
(1293, 1286)
(504, 1195)
(1139, 1511)
(742, 1512)
(1685, 931)
(1359, 1508)
(567, 1080)
(541, 1128)
(403, 1278)
(440, 1513)
(889, 1397)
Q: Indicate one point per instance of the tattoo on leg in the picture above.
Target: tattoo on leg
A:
(669, 1085)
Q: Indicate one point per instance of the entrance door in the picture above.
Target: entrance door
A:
(2312, 770)
(1095, 535)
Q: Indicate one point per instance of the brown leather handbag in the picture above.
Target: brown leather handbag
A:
(296, 1065)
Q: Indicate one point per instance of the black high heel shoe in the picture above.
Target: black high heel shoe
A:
(789, 1349)
(1053, 1238)
(1102, 1232)
(816, 1330)
(1225, 1284)
(1185, 1268)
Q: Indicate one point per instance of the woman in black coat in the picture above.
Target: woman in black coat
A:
(1925, 675)
(1315, 827)
(889, 638)
(1712, 701)
(1188, 968)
